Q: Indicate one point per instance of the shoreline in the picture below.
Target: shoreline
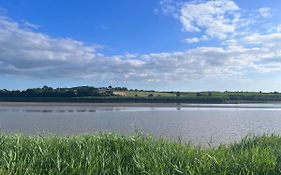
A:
(160, 105)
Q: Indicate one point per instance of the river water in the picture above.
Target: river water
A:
(199, 124)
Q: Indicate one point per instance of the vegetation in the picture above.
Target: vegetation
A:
(138, 154)
(45, 91)
(122, 94)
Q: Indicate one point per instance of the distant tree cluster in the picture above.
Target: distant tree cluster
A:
(119, 88)
(45, 91)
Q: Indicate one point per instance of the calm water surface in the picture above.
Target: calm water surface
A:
(199, 124)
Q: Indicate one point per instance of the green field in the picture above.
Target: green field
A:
(206, 97)
(146, 94)
(201, 94)
(138, 154)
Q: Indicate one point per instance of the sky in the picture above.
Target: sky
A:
(182, 45)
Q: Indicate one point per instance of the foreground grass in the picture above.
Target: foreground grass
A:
(113, 154)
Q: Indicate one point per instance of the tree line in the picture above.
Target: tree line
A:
(45, 91)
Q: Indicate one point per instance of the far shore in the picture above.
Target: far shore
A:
(177, 105)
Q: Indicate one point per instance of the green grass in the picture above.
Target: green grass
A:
(207, 96)
(113, 154)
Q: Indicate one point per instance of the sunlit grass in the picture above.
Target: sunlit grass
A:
(138, 154)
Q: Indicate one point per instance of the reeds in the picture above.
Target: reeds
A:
(132, 155)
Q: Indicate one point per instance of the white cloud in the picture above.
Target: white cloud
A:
(265, 12)
(196, 39)
(192, 40)
(216, 18)
(268, 39)
(220, 19)
(30, 25)
(24, 52)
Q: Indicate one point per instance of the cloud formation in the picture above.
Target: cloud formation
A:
(28, 53)
(215, 18)
(196, 39)
(25, 52)
(265, 12)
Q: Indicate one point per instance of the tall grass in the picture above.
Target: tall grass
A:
(114, 154)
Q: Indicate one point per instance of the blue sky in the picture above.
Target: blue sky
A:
(148, 44)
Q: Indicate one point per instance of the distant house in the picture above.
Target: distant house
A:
(119, 93)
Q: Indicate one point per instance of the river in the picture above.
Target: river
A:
(203, 124)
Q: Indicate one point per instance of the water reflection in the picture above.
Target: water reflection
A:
(52, 110)
(177, 107)
(84, 110)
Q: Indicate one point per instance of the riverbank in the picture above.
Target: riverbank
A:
(138, 154)
(141, 105)
(167, 100)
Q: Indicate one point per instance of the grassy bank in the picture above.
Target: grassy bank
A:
(216, 98)
(112, 154)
